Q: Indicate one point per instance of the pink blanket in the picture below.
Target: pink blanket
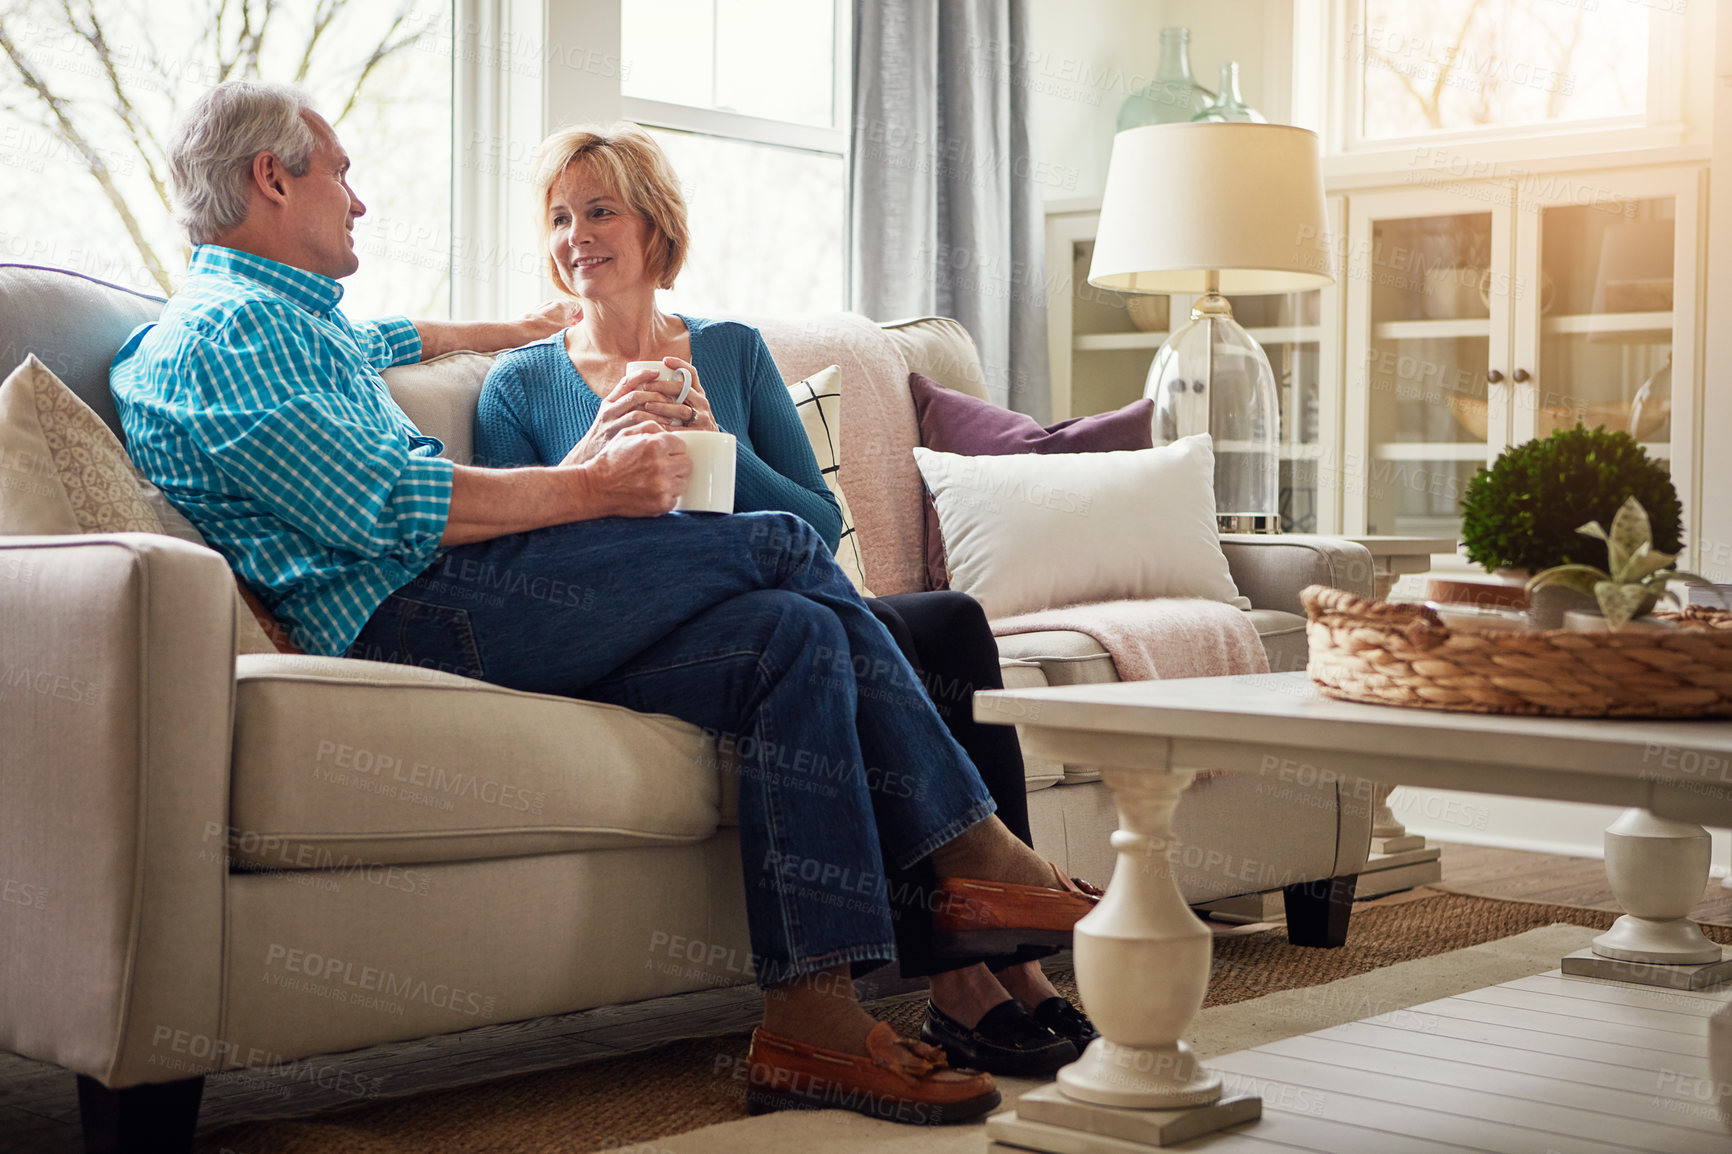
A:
(1150, 640)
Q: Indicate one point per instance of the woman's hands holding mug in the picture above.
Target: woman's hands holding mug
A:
(641, 398)
(683, 407)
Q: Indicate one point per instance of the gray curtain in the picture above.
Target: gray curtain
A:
(945, 215)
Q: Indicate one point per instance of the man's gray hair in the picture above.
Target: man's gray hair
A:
(211, 156)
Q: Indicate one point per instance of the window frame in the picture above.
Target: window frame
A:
(740, 128)
(766, 130)
(523, 67)
(1328, 99)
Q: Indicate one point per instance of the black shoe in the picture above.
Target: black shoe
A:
(1006, 1041)
(1068, 1022)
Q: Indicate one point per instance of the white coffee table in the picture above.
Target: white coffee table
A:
(1149, 738)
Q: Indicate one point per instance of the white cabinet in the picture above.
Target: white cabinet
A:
(1489, 314)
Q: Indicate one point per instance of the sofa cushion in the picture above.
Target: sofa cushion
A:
(941, 350)
(440, 396)
(340, 762)
(1037, 772)
(75, 323)
(1283, 638)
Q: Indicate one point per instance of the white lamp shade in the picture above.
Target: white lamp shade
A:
(1245, 200)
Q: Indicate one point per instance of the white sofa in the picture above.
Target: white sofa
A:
(261, 858)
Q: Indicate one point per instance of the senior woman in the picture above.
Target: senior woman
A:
(615, 227)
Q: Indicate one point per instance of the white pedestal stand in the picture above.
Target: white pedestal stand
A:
(1399, 860)
(1658, 869)
(1142, 968)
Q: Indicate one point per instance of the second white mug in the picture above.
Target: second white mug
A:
(711, 488)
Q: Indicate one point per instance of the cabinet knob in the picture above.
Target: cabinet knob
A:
(1493, 376)
(1521, 375)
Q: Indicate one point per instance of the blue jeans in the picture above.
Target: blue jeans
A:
(743, 626)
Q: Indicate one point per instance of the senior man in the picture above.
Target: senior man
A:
(259, 409)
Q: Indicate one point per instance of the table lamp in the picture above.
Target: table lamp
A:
(1214, 209)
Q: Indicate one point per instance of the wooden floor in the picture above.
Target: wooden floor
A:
(1542, 1064)
(39, 1109)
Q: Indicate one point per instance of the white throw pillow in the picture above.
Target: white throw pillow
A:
(1039, 531)
(818, 400)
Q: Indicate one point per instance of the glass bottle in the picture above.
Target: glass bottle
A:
(1229, 105)
(1174, 95)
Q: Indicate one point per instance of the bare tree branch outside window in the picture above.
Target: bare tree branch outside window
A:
(92, 88)
(1455, 65)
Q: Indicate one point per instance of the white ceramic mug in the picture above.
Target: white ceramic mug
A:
(711, 488)
(663, 373)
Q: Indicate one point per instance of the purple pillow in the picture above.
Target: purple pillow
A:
(953, 422)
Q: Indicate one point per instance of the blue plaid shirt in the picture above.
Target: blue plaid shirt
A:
(259, 409)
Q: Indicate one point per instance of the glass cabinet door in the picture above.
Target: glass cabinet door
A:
(1427, 326)
(1595, 298)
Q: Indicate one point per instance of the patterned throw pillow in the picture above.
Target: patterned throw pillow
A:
(63, 472)
(818, 400)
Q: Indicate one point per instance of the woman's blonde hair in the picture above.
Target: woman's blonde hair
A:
(632, 165)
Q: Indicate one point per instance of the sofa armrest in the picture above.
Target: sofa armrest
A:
(1271, 568)
(116, 701)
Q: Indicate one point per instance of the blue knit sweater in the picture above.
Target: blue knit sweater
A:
(536, 406)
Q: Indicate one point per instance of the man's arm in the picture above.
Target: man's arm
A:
(637, 475)
(441, 337)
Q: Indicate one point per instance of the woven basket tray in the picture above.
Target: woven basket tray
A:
(1386, 654)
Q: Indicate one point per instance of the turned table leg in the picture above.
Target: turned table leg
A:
(1142, 968)
(1658, 869)
(1142, 963)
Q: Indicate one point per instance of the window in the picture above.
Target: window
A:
(1449, 65)
(89, 94)
(749, 99)
(1410, 69)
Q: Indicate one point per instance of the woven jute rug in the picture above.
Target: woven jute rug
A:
(626, 1104)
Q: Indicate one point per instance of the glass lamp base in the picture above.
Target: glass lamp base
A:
(1248, 522)
(1210, 377)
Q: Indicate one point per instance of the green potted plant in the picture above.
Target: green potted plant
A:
(1523, 512)
(1636, 577)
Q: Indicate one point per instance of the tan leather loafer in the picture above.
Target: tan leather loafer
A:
(900, 1081)
(973, 917)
